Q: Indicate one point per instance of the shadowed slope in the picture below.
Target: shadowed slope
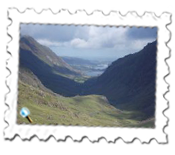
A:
(129, 82)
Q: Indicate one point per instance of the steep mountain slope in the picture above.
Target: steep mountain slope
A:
(47, 56)
(27, 77)
(51, 70)
(129, 82)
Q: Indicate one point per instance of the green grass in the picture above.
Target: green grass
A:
(91, 110)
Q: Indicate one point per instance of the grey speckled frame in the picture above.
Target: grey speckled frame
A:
(89, 9)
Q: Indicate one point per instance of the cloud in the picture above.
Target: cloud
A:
(48, 43)
(50, 32)
(79, 43)
(92, 38)
(100, 37)
(139, 44)
(142, 33)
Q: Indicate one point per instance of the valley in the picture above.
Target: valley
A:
(91, 110)
(74, 91)
(89, 68)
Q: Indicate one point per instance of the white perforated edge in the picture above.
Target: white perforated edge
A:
(77, 133)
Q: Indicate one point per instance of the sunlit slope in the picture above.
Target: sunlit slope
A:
(45, 54)
(91, 110)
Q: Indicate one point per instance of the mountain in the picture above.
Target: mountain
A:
(36, 86)
(47, 55)
(27, 77)
(129, 82)
(88, 68)
(51, 70)
(77, 61)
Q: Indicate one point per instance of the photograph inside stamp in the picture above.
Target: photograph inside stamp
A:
(87, 75)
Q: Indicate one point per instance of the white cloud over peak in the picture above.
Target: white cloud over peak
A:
(48, 43)
(79, 43)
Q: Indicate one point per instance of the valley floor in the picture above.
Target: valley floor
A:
(91, 110)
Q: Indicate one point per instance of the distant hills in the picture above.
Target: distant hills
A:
(77, 61)
(128, 83)
(88, 67)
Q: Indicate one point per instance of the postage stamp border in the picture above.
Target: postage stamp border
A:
(97, 18)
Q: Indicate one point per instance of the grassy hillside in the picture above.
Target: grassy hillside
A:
(26, 76)
(91, 110)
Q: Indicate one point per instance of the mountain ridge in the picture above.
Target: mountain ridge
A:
(128, 83)
(127, 78)
(46, 55)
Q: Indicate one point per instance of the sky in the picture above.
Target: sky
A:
(91, 42)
